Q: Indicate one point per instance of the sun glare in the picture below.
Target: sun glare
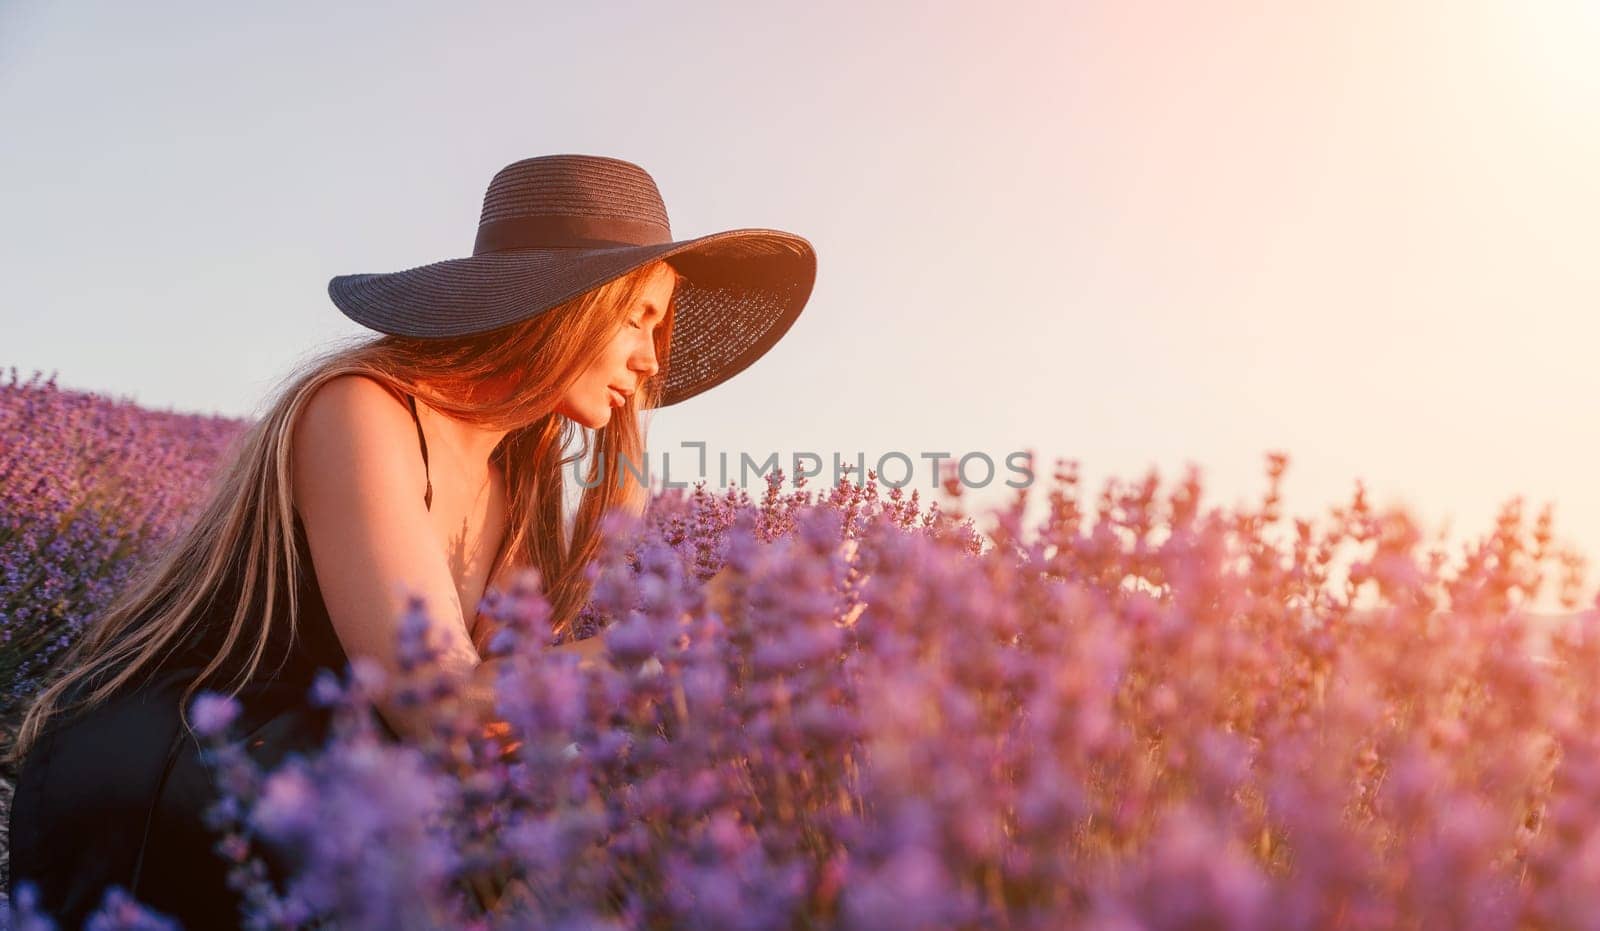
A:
(1558, 41)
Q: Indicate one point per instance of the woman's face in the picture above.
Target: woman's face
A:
(627, 360)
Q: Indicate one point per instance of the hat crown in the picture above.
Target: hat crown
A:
(574, 201)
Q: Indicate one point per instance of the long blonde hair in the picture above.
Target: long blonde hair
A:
(241, 546)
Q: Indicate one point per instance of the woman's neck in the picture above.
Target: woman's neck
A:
(468, 445)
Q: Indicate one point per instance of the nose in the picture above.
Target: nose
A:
(644, 360)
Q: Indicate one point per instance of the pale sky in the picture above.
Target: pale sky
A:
(1138, 234)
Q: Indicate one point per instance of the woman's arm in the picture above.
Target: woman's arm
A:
(357, 483)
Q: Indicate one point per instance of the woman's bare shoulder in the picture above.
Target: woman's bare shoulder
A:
(364, 394)
(354, 428)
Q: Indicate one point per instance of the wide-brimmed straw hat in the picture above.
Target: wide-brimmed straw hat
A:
(556, 226)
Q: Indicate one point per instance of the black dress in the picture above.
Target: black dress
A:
(117, 795)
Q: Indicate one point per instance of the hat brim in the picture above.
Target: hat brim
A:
(742, 291)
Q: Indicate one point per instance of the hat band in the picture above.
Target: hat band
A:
(559, 231)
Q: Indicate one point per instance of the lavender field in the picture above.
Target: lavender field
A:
(1141, 711)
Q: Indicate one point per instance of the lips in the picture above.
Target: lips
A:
(618, 399)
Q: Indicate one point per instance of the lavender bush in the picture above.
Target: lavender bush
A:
(90, 487)
(851, 710)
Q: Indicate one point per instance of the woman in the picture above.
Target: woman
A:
(424, 461)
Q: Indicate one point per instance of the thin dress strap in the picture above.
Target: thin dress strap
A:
(427, 496)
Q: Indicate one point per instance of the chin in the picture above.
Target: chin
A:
(594, 420)
(593, 417)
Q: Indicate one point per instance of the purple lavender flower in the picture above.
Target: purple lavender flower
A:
(119, 912)
(212, 713)
(844, 708)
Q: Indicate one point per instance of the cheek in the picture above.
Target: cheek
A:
(615, 358)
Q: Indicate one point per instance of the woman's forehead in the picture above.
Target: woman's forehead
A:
(657, 293)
